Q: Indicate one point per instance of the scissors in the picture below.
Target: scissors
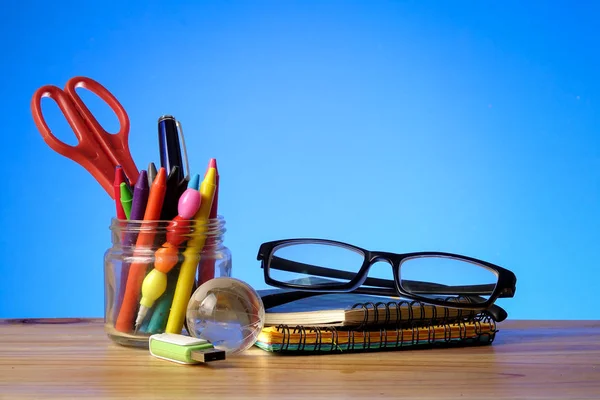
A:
(98, 151)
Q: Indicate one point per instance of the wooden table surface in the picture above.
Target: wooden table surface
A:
(73, 359)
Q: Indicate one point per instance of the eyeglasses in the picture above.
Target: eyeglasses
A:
(318, 265)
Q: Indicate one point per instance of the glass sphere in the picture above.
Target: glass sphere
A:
(227, 312)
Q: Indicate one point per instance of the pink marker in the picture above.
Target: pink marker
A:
(189, 203)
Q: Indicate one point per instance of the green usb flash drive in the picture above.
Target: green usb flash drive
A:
(183, 349)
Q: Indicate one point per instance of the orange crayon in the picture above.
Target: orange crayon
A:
(145, 239)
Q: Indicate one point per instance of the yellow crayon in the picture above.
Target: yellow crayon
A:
(187, 272)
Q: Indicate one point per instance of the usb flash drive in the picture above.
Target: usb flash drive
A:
(183, 349)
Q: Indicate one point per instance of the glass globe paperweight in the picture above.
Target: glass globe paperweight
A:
(227, 312)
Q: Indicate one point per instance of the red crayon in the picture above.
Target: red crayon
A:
(213, 210)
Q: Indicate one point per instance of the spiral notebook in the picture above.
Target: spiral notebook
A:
(348, 322)
(480, 330)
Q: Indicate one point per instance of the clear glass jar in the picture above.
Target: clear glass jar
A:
(152, 269)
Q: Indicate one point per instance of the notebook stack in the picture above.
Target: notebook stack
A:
(339, 323)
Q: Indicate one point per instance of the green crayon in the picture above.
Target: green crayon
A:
(126, 199)
(144, 327)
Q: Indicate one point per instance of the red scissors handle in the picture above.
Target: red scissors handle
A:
(98, 151)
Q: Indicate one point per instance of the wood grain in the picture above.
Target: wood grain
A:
(73, 359)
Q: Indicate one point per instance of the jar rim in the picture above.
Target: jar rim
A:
(208, 225)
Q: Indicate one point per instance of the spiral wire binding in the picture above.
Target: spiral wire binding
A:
(318, 340)
(381, 313)
(484, 328)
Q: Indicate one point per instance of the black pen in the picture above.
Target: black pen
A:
(170, 148)
(172, 194)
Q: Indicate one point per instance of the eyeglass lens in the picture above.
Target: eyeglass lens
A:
(446, 276)
(307, 256)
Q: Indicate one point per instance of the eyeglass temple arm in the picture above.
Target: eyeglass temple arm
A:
(413, 286)
(277, 299)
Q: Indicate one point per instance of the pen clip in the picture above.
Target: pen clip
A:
(185, 157)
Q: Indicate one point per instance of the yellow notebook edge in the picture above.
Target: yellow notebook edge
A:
(313, 338)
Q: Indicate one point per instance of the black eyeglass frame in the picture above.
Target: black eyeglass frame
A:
(505, 286)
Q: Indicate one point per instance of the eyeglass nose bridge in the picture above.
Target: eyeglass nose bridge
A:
(378, 256)
(372, 258)
(383, 256)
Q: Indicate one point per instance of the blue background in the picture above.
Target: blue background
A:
(469, 127)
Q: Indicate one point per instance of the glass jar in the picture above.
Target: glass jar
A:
(152, 270)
